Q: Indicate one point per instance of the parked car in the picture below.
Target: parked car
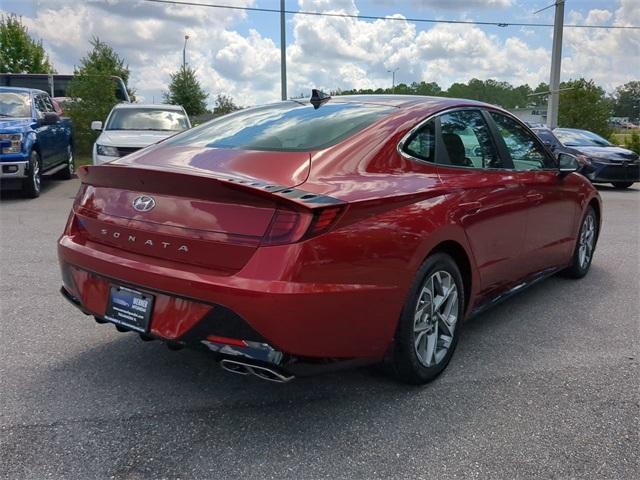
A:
(295, 238)
(132, 126)
(34, 140)
(600, 160)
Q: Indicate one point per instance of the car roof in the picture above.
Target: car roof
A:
(563, 129)
(157, 106)
(21, 90)
(401, 101)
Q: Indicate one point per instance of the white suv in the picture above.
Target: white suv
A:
(132, 126)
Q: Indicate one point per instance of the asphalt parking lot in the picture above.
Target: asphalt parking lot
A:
(545, 385)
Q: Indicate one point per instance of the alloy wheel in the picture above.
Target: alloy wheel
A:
(35, 172)
(71, 167)
(435, 318)
(587, 241)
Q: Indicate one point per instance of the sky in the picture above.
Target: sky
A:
(237, 53)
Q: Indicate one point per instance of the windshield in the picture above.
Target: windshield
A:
(580, 138)
(547, 137)
(147, 119)
(15, 104)
(287, 126)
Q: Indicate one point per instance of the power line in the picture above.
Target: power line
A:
(374, 17)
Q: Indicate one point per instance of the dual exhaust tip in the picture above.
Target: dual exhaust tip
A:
(264, 373)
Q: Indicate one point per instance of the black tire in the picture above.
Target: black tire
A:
(31, 185)
(578, 267)
(621, 185)
(69, 170)
(405, 362)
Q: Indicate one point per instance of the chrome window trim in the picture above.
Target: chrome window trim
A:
(403, 140)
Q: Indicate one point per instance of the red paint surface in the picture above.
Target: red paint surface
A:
(337, 294)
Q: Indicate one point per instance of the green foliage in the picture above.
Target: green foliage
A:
(224, 105)
(584, 106)
(490, 91)
(19, 53)
(633, 143)
(627, 101)
(185, 90)
(93, 92)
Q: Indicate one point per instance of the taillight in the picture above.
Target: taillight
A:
(323, 220)
(290, 226)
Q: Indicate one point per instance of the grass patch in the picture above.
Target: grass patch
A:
(83, 160)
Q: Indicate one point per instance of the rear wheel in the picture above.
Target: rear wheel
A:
(31, 184)
(622, 185)
(430, 323)
(67, 172)
(585, 246)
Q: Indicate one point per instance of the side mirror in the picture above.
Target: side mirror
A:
(49, 118)
(567, 164)
(96, 125)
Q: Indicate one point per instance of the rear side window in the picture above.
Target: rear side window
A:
(525, 151)
(467, 140)
(287, 126)
(422, 144)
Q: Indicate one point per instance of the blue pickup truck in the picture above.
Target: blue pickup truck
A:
(34, 140)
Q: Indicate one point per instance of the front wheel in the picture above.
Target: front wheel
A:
(430, 323)
(585, 246)
(31, 184)
(622, 185)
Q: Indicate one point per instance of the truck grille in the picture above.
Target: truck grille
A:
(127, 150)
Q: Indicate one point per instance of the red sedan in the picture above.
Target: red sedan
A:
(301, 236)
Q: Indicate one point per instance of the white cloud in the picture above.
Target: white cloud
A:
(329, 52)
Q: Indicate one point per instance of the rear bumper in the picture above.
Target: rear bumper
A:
(319, 320)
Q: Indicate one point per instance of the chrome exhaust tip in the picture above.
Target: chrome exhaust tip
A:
(262, 372)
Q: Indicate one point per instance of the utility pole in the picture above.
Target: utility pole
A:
(184, 53)
(556, 58)
(393, 78)
(283, 53)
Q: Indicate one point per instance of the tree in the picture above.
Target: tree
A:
(584, 105)
(19, 53)
(627, 101)
(185, 90)
(93, 92)
(224, 105)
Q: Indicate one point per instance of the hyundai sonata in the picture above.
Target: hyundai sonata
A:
(300, 237)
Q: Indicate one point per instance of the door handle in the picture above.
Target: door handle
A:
(470, 207)
(534, 197)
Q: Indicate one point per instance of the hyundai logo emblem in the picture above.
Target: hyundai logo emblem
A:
(144, 203)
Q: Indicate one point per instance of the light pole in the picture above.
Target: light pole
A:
(283, 54)
(184, 53)
(556, 58)
(393, 78)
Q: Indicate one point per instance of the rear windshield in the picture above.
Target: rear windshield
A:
(287, 126)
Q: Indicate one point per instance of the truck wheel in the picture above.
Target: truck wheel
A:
(68, 171)
(31, 184)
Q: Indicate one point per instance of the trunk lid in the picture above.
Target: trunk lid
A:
(211, 207)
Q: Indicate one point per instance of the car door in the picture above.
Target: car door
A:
(45, 133)
(485, 197)
(552, 199)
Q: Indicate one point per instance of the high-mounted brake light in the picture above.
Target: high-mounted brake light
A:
(289, 226)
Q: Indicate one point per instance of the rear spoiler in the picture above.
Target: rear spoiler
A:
(195, 184)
